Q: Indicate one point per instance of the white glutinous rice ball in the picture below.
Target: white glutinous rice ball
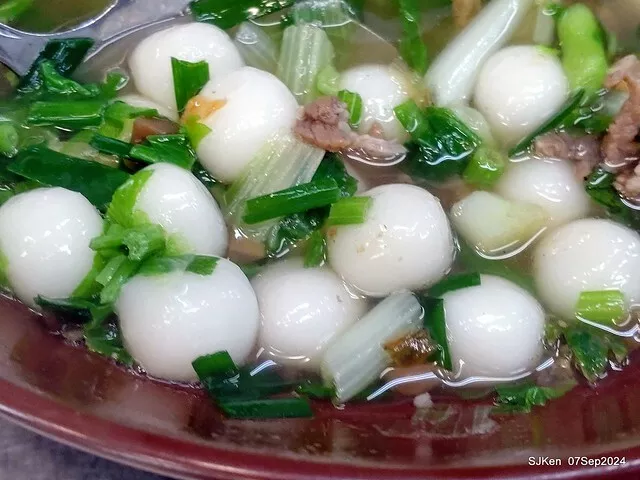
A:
(257, 105)
(150, 61)
(137, 100)
(44, 238)
(549, 183)
(517, 89)
(494, 329)
(171, 319)
(404, 243)
(174, 198)
(586, 255)
(302, 310)
(382, 88)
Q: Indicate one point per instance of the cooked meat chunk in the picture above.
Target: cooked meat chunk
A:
(324, 124)
(583, 151)
(619, 147)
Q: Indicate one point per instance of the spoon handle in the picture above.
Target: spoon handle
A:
(19, 49)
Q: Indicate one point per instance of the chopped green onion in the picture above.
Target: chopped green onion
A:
(110, 146)
(454, 282)
(328, 80)
(297, 199)
(314, 390)
(217, 364)
(316, 250)
(71, 115)
(65, 54)
(333, 167)
(11, 10)
(95, 181)
(436, 325)
(293, 229)
(349, 211)
(124, 272)
(88, 287)
(555, 121)
(269, 408)
(77, 309)
(411, 118)
(57, 84)
(9, 139)
(110, 269)
(412, 48)
(603, 306)
(165, 148)
(188, 79)
(143, 241)
(306, 51)
(485, 167)
(107, 341)
(122, 207)
(229, 13)
(119, 112)
(354, 106)
(199, 264)
(195, 130)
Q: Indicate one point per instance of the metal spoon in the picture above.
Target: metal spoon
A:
(18, 49)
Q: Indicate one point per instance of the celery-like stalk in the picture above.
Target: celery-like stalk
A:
(306, 51)
(334, 16)
(256, 47)
(283, 162)
(397, 315)
(453, 73)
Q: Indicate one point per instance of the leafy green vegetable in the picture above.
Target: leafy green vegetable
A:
(349, 211)
(126, 269)
(174, 149)
(293, 407)
(56, 85)
(95, 181)
(107, 340)
(294, 228)
(332, 167)
(454, 282)
(77, 310)
(485, 167)
(188, 79)
(9, 139)
(65, 55)
(523, 397)
(199, 264)
(72, 115)
(316, 250)
(88, 287)
(556, 120)
(119, 112)
(217, 365)
(137, 243)
(354, 106)
(110, 146)
(435, 323)
(297, 199)
(412, 48)
(599, 186)
(229, 13)
(11, 10)
(604, 306)
(441, 143)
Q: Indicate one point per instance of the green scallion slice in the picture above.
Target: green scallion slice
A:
(293, 407)
(349, 211)
(354, 106)
(603, 306)
(110, 146)
(454, 282)
(188, 79)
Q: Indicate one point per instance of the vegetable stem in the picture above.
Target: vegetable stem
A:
(349, 211)
(604, 306)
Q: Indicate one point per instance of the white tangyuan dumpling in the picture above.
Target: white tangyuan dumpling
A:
(256, 106)
(150, 61)
(549, 183)
(518, 88)
(404, 243)
(44, 238)
(494, 329)
(302, 310)
(172, 197)
(171, 319)
(139, 101)
(586, 255)
(382, 88)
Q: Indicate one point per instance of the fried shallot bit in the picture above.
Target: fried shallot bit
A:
(628, 183)
(324, 124)
(619, 147)
(412, 349)
(144, 127)
(413, 386)
(464, 11)
(201, 107)
(583, 151)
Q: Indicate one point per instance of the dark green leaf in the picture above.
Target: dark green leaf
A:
(188, 79)
(436, 325)
(412, 48)
(332, 167)
(165, 148)
(293, 407)
(106, 340)
(591, 349)
(297, 199)
(203, 175)
(219, 365)
(75, 310)
(110, 146)
(294, 228)
(199, 264)
(454, 282)
(57, 84)
(229, 13)
(65, 55)
(72, 115)
(95, 181)
(599, 186)
(523, 397)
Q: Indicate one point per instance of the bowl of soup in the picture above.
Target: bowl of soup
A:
(329, 239)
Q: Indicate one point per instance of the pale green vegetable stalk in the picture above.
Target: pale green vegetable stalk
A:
(334, 16)
(283, 162)
(256, 47)
(545, 27)
(452, 75)
(349, 374)
(584, 53)
(306, 51)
